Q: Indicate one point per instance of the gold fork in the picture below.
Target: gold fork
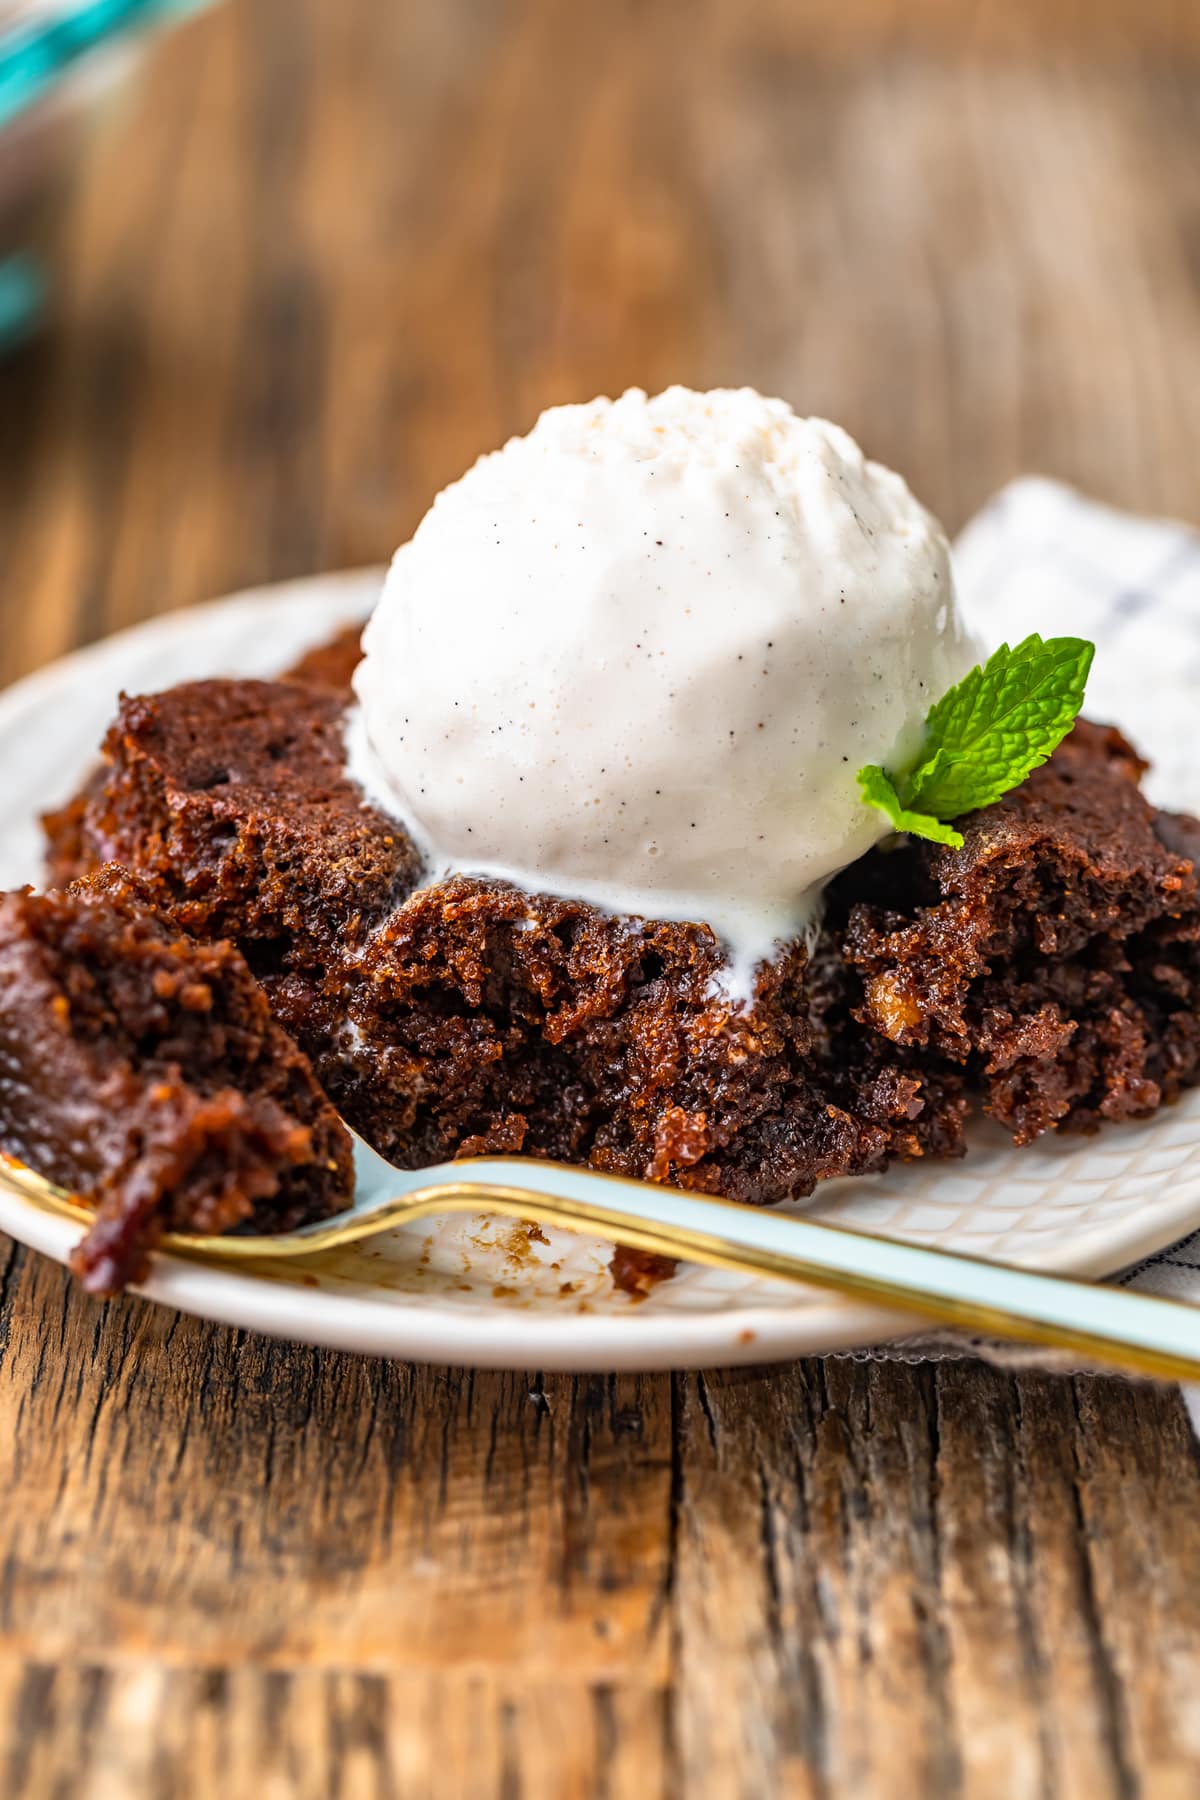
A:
(1138, 1333)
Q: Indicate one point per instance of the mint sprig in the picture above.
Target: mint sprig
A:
(878, 790)
(984, 736)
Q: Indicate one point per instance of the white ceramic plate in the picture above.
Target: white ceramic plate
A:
(482, 1292)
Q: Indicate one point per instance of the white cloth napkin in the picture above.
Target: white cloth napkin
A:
(1040, 557)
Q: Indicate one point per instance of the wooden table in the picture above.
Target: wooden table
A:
(336, 248)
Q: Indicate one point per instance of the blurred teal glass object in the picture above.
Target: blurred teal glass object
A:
(36, 53)
(22, 299)
(59, 65)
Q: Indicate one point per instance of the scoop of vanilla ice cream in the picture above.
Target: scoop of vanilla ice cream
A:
(640, 655)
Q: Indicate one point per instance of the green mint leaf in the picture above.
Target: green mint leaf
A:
(878, 790)
(1003, 719)
(985, 736)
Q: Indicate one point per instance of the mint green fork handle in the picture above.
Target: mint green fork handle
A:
(1135, 1331)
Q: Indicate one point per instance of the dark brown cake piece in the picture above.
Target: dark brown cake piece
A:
(229, 798)
(474, 1016)
(485, 1019)
(328, 665)
(1051, 962)
(333, 663)
(143, 1071)
(69, 849)
(1055, 956)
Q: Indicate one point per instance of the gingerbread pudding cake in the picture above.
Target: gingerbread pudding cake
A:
(671, 822)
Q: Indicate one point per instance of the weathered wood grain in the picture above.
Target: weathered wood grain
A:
(333, 249)
(227, 1559)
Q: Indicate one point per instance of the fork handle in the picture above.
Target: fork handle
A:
(1138, 1333)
